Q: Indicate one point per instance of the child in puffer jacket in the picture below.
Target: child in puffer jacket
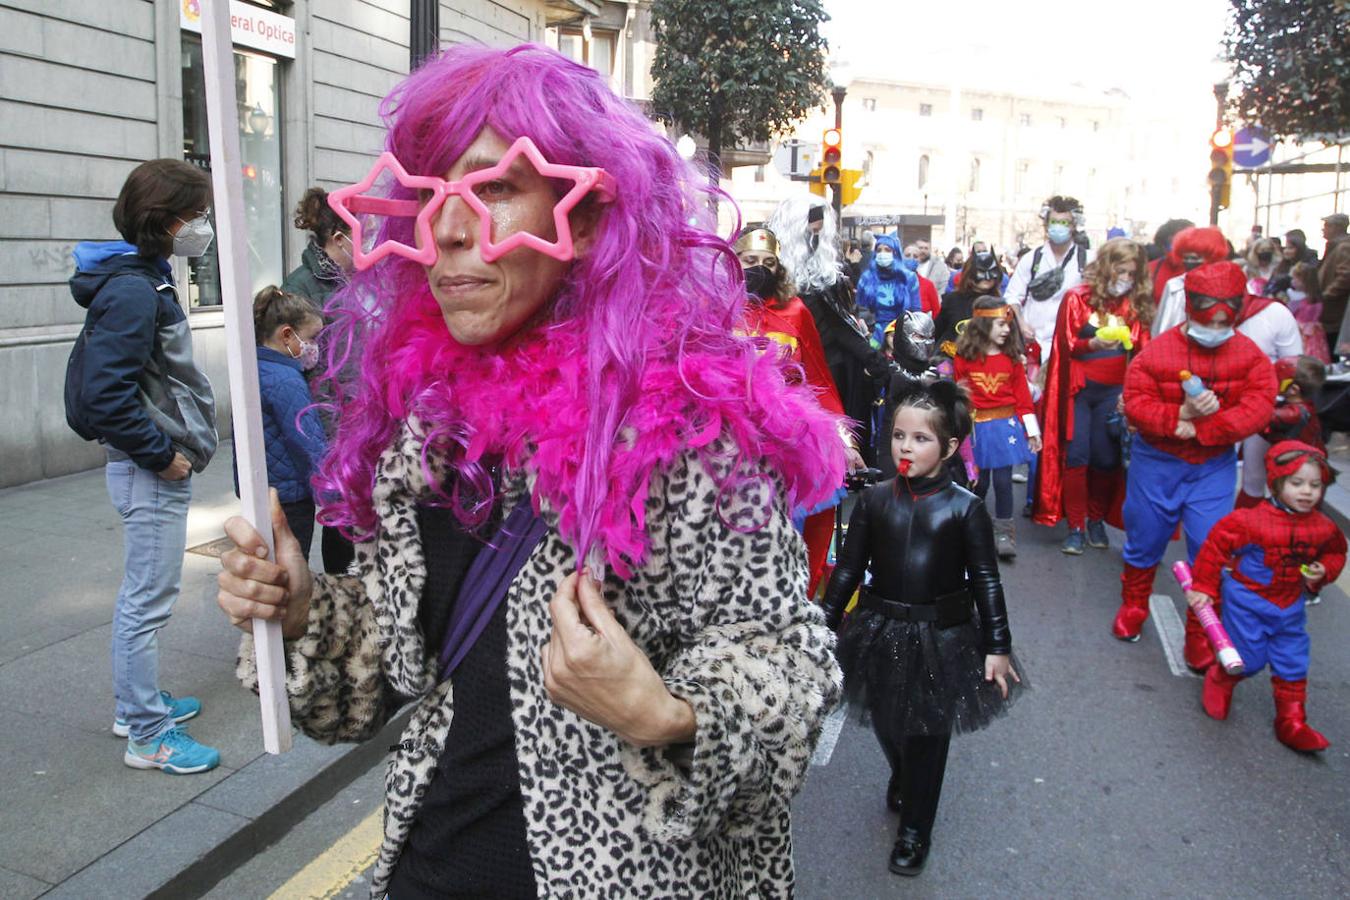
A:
(286, 327)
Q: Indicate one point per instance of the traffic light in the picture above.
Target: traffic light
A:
(831, 156)
(849, 183)
(1221, 164)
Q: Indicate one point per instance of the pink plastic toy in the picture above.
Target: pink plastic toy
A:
(1224, 650)
(350, 201)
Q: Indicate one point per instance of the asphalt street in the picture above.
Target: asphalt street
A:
(1106, 779)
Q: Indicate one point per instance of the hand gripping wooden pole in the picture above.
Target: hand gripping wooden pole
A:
(222, 120)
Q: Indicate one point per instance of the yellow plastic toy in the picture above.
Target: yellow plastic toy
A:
(1119, 333)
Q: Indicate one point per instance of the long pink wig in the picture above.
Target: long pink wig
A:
(638, 360)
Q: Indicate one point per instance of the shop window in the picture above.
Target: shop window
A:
(257, 86)
(925, 109)
(597, 51)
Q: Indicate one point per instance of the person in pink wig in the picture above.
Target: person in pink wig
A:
(570, 483)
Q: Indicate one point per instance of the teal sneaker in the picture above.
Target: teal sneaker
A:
(181, 708)
(1073, 543)
(174, 752)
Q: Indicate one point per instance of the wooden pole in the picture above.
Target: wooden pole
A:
(222, 124)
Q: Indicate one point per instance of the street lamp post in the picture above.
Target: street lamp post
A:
(1215, 190)
(838, 93)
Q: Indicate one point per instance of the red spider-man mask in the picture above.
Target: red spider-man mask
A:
(1212, 288)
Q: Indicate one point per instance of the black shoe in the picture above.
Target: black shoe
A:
(893, 795)
(909, 853)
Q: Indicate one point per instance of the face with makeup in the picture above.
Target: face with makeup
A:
(482, 302)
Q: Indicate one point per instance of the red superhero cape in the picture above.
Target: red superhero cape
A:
(1062, 381)
(791, 325)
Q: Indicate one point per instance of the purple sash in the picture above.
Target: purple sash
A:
(486, 584)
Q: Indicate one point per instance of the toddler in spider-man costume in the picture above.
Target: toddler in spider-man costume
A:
(1274, 554)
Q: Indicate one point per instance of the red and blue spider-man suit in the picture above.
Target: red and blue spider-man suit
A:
(1190, 481)
(1252, 559)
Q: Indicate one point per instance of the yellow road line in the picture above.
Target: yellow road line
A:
(331, 871)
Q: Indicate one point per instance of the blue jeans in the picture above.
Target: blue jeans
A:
(154, 520)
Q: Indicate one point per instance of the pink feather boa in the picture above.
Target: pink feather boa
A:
(526, 404)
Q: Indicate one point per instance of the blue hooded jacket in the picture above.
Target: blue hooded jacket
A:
(888, 293)
(292, 434)
(130, 381)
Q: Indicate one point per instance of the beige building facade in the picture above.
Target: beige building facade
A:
(984, 159)
(93, 89)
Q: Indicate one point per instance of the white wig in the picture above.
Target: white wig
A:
(811, 270)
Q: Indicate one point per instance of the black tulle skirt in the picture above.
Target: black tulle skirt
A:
(914, 678)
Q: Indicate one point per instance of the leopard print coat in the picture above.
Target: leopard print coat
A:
(717, 607)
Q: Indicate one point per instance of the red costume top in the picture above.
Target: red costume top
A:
(1294, 421)
(1066, 374)
(993, 381)
(791, 325)
(929, 298)
(1285, 541)
(1237, 371)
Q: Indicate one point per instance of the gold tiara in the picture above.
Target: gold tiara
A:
(758, 239)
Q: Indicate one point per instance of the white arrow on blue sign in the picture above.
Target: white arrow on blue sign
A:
(1251, 147)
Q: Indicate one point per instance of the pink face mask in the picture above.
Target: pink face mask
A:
(351, 202)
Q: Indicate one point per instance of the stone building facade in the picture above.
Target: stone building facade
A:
(92, 89)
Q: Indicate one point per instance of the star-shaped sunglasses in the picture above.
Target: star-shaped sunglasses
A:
(352, 202)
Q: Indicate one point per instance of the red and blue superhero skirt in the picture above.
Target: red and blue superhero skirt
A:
(1162, 490)
(1263, 633)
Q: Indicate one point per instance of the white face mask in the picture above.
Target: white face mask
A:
(193, 238)
(1121, 286)
(1209, 337)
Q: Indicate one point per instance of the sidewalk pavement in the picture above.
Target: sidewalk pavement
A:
(75, 821)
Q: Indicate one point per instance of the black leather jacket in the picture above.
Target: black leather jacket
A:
(921, 546)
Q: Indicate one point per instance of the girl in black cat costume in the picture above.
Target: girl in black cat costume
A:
(928, 651)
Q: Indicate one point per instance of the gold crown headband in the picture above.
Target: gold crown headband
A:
(758, 239)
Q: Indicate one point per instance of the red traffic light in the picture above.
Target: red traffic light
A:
(831, 155)
(1221, 139)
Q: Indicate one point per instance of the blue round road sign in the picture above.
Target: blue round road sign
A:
(1251, 147)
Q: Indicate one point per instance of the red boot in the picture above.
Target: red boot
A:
(1291, 721)
(1198, 653)
(1135, 587)
(1217, 694)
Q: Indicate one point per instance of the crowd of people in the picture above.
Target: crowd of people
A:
(575, 461)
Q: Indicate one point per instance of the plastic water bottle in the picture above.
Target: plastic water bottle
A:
(1191, 383)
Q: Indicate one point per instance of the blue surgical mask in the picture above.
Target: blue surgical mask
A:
(885, 260)
(911, 264)
(1059, 233)
(1209, 337)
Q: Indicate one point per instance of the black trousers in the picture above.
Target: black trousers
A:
(919, 763)
(300, 517)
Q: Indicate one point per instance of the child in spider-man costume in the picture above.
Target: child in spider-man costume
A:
(1183, 467)
(1263, 561)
